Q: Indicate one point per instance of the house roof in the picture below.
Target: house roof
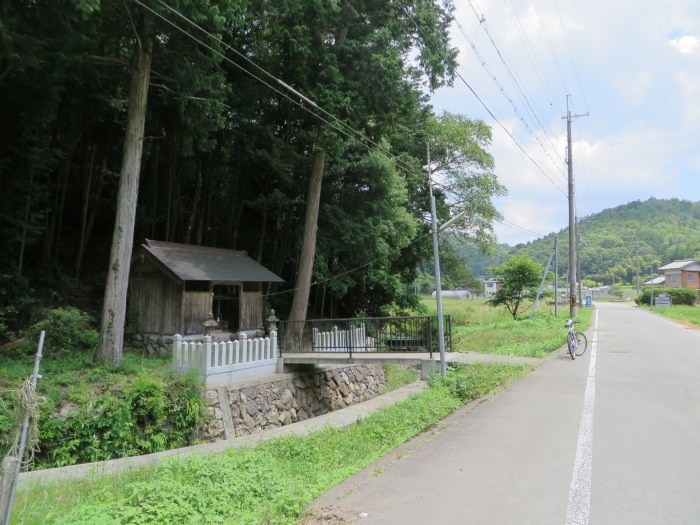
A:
(680, 264)
(657, 280)
(201, 263)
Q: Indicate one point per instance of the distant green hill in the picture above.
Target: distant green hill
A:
(650, 233)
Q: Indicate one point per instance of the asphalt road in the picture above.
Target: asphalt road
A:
(611, 438)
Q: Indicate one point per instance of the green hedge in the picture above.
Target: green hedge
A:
(678, 295)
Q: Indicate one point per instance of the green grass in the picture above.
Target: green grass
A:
(689, 314)
(477, 327)
(396, 376)
(270, 484)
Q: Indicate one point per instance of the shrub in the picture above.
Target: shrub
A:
(68, 331)
(678, 295)
(150, 415)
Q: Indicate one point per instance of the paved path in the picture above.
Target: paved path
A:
(611, 438)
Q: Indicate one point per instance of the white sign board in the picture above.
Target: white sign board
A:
(662, 300)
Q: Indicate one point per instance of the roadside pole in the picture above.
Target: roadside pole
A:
(14, 464)
(436, 261)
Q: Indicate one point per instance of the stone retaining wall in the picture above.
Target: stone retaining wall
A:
(274, 401)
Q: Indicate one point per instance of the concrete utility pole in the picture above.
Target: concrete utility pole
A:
(572, 211)
(556, 277)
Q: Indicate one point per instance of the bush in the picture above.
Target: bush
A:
(68, 331)
(150, 415)
(678, 295)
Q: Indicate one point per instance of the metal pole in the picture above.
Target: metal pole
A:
(539, 290)
(25, 431)
(578, 266)
(651, 298)
(556, 278)
(438, 286)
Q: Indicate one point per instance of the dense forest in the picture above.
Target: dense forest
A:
(251, 108)
(616, 242)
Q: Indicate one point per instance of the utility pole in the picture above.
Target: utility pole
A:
(556, 277)
(436, 261)
(578, 262)
(572, 211)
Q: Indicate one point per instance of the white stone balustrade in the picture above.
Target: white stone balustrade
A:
(222, 362)
(353, 339)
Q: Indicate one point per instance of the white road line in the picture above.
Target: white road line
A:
(579, 508)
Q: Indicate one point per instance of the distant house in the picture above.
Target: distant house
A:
(174, 287)
(458, 293)
(491, 286)
(682, 274)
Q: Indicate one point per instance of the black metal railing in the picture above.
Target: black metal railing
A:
(370, 334)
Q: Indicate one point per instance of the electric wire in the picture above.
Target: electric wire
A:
(511, 136)
(364, 140)
(514, 78)
(346, 130)
(544, 81)
(549, 45)
(505, 94)
(573, 61)
(459, 75)
(520, 228)
(351, 134)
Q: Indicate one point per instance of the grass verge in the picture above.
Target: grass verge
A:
(477, 327)
(270, 484)
(689, 314)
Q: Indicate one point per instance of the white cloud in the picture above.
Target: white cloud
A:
(635, 87)
(686, 44)
(639, 82)
(531, 215)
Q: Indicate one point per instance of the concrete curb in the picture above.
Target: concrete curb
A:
(338, 419)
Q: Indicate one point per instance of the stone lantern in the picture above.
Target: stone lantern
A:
(272, 321)
(210, 324)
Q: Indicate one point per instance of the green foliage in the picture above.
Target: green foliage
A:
(396, 376)
(150, 415)
(479, 328)
(639, 235)
(269, 484)
(679, 296)
(520, 277)
(688, 314)
(468, 382)
(68, 331)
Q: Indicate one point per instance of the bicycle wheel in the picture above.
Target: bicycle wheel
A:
(571, 343)
(581, 344)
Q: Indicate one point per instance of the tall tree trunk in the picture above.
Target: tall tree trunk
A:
(195, 203)
(25, 223)
(84, 215)
(114, 307)
(91, 219)
(308, 247)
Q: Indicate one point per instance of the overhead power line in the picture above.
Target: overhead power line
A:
(514, 78)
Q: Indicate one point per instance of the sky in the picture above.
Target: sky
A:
(632, 65)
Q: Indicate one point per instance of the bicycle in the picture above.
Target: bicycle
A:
(576, 341)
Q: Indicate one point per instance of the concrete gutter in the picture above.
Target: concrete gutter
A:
(337, 419)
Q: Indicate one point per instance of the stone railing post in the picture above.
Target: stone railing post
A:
(207, 354)
(243, 338)
(177, 350)
(273, 345)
